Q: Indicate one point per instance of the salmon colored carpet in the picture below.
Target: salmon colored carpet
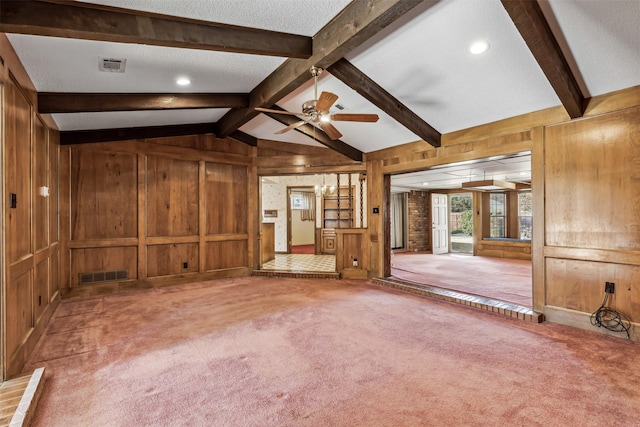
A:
(303, 249)
(293, 352)
(498, 278)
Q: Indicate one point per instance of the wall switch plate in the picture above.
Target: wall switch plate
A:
(376, 210)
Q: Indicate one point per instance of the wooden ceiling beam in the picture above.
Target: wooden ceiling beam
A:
(356, 24)
(366, 87)
(51, 103)
(244, 137)
(125, 134)
(93, 22)
(318, 135)
(534, 29)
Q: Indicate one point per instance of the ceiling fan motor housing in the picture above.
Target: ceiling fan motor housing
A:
(309, 109)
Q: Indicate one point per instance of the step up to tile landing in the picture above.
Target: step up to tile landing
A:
(487, 304)
(297, 274)
(19, 398)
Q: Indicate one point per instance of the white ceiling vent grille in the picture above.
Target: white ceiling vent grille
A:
(112, 65)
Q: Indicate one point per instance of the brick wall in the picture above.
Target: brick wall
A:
(419, 221)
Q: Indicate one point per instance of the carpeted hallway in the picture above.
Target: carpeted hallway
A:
(293, 352)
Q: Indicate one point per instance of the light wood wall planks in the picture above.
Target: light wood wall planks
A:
(159, 211)
(17, 128)
(226, 194)
(172, 197)
(30, 232)
(592, 215)
(586, 198)
(103, 195)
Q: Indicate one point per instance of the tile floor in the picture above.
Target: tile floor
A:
(301, 263)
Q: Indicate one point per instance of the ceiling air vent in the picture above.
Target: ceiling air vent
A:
(112, 65)
(340, 107)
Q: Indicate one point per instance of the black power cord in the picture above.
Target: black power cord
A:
(610, 319)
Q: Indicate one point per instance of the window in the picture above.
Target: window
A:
(524, 215)
(497, 215)
(297, 201)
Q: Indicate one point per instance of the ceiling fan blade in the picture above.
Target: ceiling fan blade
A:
(325, 101)
(267, 110)
(330, 130)
(370, 118)
(291, 126)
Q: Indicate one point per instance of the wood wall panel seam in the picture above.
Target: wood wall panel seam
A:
(225, 237)
(170, 240)
(141, 217)
(595, 255)
(103, 243)
(137, 147)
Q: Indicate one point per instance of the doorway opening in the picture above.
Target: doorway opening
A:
(301, 218)
(398, 214)
(474, 219)
(461, 223)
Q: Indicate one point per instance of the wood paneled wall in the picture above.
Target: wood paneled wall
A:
(586, 199)
(592, 215)
(30, 234)
(159, 210)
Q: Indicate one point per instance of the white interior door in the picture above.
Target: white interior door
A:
(440, 229)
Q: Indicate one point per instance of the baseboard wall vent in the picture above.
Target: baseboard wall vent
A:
(103, 276)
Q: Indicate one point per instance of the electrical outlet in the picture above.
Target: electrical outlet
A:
(355, 262)
(609, 287)
(185, 265)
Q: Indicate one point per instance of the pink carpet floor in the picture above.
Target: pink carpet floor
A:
(293, 352)
(498, 278)
(303, 249)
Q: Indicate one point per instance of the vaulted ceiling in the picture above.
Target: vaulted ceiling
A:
(406, 60)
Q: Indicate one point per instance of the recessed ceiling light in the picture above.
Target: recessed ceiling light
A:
(183, 81)
(478, 47)
(425, 183)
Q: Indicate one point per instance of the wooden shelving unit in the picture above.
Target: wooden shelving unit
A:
(337, 212)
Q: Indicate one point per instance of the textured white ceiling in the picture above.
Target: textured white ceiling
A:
(71, 65)
(514, 168)
(422, 60)
(426, 65)
(603, 38)
(126, 119)
(303, 17)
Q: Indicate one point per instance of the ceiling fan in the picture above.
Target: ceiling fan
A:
(316, 112)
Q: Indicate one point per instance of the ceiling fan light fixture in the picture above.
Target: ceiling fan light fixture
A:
(183, 81)
(325, 118)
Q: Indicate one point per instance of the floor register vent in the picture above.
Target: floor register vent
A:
(103, 276)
